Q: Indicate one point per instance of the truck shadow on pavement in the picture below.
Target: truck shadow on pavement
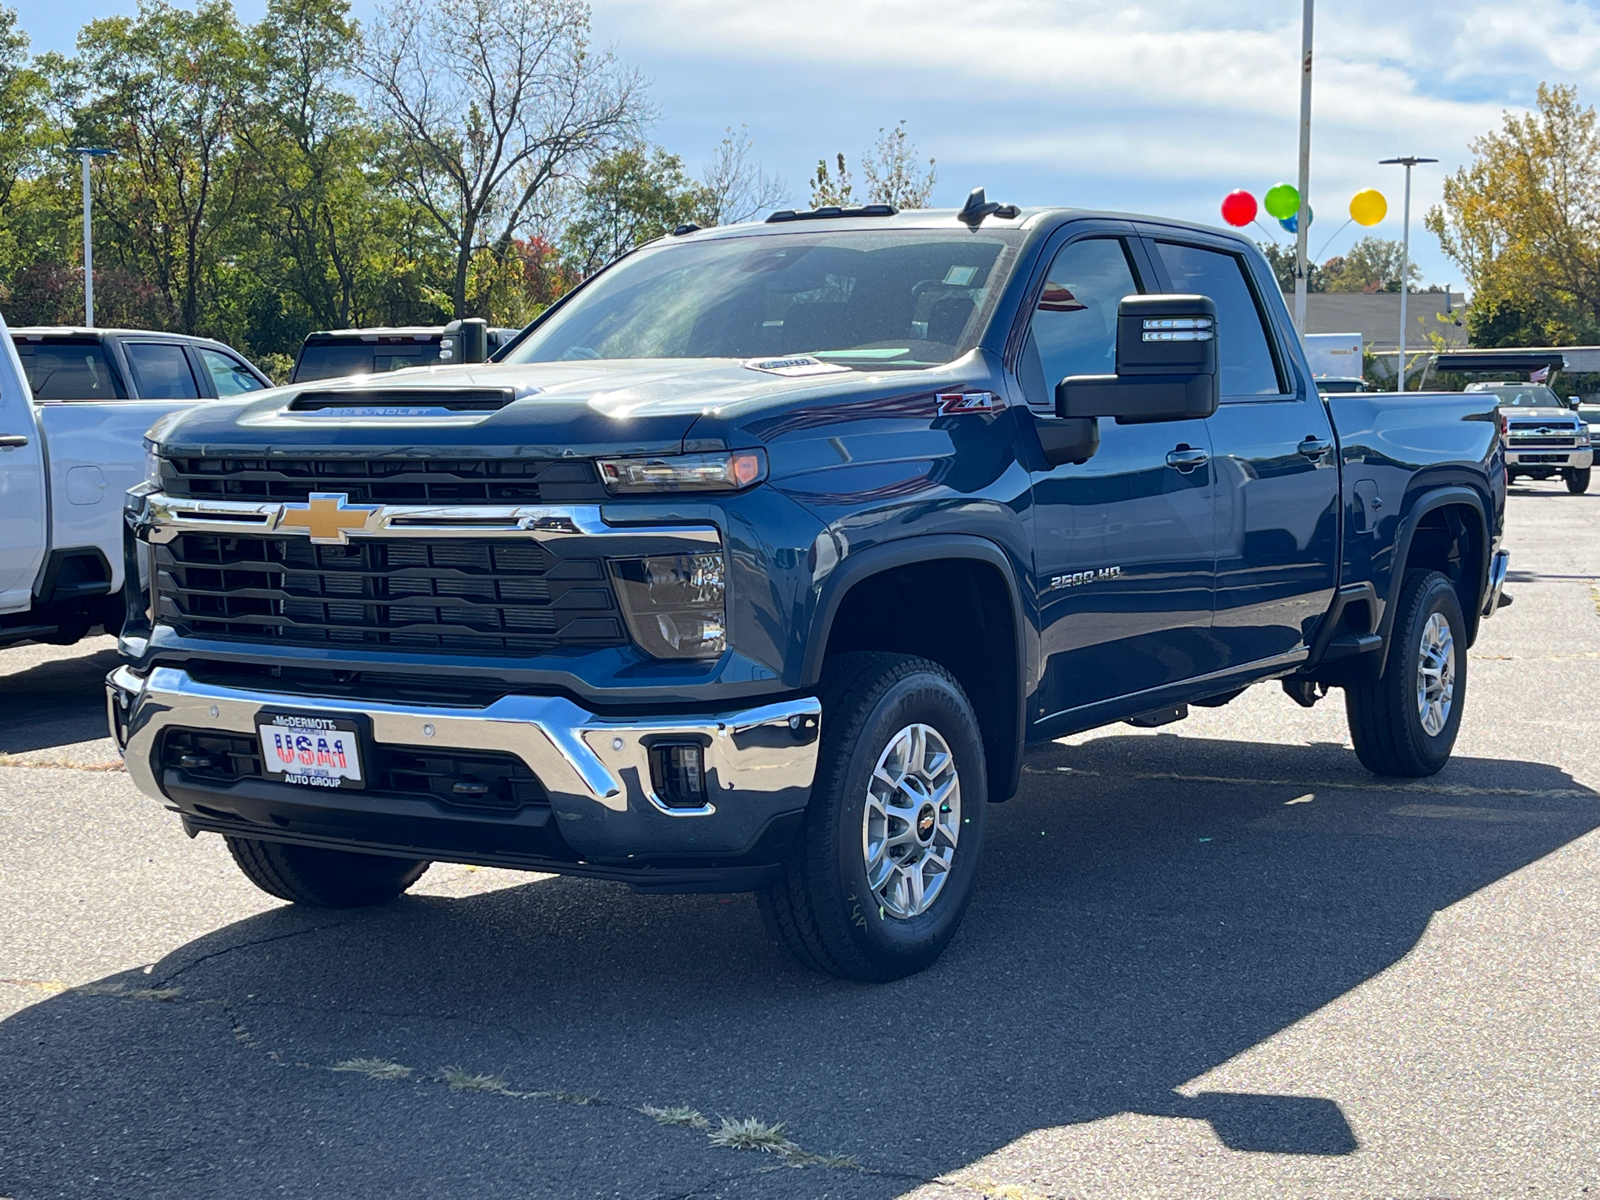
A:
(1150, 907)
(55, 703)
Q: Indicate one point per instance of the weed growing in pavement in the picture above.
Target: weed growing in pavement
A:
(378, 1068)
(754, 1134)
(678, 1114)
(464, 1081)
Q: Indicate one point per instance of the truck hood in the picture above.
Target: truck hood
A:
(556, 409)
(1524, 413)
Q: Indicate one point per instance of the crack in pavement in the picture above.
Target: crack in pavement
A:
(277, 937)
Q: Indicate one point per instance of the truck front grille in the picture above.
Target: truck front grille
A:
(417, 595)
(379, 480)
(477, 780)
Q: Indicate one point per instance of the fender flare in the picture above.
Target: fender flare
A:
(860, 565)
(1427, 502)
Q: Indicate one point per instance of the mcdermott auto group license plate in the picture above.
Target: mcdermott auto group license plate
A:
(310, 751)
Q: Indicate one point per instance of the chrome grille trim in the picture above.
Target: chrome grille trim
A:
(167, 516)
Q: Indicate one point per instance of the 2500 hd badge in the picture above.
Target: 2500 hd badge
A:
(759, 562)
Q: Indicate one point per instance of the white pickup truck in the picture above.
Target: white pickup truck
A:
(74, 408)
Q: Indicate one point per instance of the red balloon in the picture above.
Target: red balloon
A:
(1239, 208)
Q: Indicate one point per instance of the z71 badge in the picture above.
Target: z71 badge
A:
(954, 404)
(1079, 578)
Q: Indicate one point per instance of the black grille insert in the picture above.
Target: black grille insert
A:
(419, 595)
(381, 480)
(461, 779)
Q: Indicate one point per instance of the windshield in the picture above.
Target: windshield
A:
(1523, 395)
(903, 299)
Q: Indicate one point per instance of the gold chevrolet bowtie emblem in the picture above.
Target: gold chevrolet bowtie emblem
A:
(327, 517)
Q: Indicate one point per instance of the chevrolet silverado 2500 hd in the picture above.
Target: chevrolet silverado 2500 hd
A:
(758, 562)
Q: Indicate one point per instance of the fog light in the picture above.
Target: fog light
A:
(677, 774)
(674, 604)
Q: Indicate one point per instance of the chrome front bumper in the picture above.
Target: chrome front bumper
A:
(759, 762)
(1578, 458)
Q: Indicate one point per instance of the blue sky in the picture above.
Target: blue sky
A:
(1149, 107)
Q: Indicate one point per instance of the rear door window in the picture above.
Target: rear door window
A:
(69, 370)
(1245, 354)
(161, 371)
(231, 377)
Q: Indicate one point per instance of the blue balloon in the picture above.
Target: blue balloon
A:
(1292, 223)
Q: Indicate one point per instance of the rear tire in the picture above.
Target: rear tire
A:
(898, 736)
(1578, 481)
(324, 878)
(1406, 723)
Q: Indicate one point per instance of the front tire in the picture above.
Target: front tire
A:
(323, 878)
(1578, 481)
(881, 872)
(1406, 723)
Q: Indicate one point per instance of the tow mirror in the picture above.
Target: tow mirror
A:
(1166, 365)
(465, 341)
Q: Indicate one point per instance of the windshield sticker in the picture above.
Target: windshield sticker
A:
(959, 276)
(802, 364)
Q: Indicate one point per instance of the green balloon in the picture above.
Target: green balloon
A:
(1281, 201)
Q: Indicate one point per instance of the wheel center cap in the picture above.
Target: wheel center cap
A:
(926, 820)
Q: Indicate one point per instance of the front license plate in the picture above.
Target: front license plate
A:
(311, 751)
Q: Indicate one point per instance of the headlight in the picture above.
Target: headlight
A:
(1585, 435)
(152, 465)
(675, 604)
(726, 472)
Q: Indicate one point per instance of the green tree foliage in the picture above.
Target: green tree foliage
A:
(165, 90)
(629, 198)
(1281, 259)
(1371, 265)
(1523, 221)
(472, 157)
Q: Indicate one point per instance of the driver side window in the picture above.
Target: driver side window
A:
(1074, 326)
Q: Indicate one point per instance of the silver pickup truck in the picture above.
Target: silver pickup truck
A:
(1544, 436)
(74, 407)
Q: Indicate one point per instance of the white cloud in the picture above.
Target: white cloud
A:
(1180, 100)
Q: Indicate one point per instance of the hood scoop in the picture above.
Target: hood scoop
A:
(401, 402)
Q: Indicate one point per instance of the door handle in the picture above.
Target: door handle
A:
(1315, 447)
(1186, 458)
(12, 441)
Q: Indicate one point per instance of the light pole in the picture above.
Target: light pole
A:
(88, 154)
(1303, 218)
(1407, 162)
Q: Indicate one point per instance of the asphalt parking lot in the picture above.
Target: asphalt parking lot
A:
(1216, 959)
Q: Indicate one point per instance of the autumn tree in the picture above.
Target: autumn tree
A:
(1523, 222)
(486, 105)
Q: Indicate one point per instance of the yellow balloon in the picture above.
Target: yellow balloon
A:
(1368, 207)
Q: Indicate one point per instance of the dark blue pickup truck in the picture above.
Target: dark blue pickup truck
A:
(760, 560)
